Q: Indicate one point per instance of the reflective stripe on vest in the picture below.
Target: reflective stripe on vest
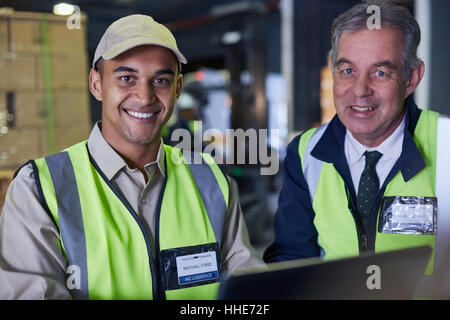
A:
(310, 165)
(70, 220)
(438, 285)
(342, 238)
(443, 195)
(214, 201)
(114, 263)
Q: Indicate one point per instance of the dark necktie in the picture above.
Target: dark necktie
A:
(368, 186)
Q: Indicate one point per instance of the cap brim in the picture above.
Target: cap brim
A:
(123, 46)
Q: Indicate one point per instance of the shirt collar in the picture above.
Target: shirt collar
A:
(330, 147)
(390, 147)
(160, 160)
(109, 161)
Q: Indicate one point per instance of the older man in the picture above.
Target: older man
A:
(373, 179)
(119, 216)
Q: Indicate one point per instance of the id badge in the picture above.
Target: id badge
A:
(190, 266)
(408, 215)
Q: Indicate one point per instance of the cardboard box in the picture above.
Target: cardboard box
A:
(24, 32)
(3, 112)
(28, 108)
(70, 107)
(22, 67)
(25, 35)
(18, 71)
(3, 35)
(26, 71)
(68, 71)
(63, 39)
(22, 51)
(67, 136)
(20, 145)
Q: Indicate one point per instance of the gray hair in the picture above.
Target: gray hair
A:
(392, 15)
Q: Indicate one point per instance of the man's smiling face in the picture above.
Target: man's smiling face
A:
(369, 90)
(138, 90)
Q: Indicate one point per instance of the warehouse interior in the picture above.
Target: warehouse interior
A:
(251, 64)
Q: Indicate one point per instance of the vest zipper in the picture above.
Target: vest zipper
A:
(364, 242)
(161, 293)
(375, 214)
(362, 236)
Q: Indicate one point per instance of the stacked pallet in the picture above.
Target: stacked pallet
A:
(44, 95)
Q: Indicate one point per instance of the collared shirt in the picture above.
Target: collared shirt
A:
(391, 148)
(32, 265)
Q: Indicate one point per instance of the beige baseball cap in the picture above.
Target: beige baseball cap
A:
(133, 31)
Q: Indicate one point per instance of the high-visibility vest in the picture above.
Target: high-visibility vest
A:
(338, 234)
(104, 240)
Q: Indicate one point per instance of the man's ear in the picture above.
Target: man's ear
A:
(330, 64)
(179, 85)
(414, 79)
(95, 84)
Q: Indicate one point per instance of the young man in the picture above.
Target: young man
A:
(375, 178)
(115, 217)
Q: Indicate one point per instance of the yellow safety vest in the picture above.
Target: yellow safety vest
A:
(107, 248)
(338, 233)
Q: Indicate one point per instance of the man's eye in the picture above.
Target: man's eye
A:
(126, 79)
(380, 73)
(347, 71)
(161, 83)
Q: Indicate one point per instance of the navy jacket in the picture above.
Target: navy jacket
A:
(295, 233)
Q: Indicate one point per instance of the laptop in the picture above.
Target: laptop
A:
(387, 275)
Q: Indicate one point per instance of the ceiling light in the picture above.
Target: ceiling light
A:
(231, 37)
(63, 9)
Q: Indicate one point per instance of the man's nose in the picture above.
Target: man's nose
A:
(145, 94)
(362, 86)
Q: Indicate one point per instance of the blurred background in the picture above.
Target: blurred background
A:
(252, 64)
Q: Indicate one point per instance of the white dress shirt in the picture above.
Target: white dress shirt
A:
(391, 148)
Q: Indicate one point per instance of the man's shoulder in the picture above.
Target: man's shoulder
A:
(293, 143)
(21, 189)
(302, 137)
(25, 171)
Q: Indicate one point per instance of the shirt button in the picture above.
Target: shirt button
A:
(144, 201)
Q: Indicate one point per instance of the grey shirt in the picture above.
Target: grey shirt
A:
(32, 265)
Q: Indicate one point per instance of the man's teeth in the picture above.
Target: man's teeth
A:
(363, 108)
(140, 115)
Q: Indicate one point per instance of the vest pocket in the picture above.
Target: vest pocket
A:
(408, 215)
